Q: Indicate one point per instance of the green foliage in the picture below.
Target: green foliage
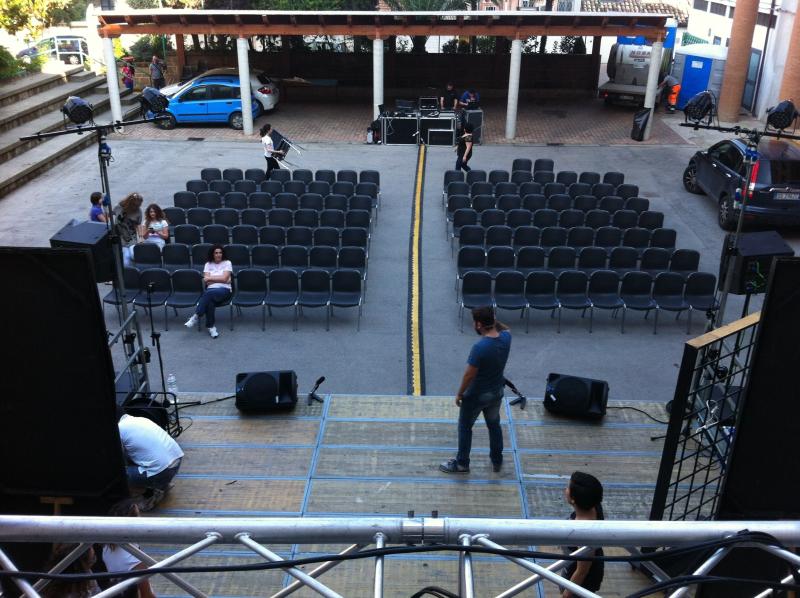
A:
(9, 66)
(74, 11)
(147, 45)
(530, 45)
(119, 50)
(570, 44)
(483, 45)
(31, 16)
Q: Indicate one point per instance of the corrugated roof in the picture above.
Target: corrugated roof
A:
(678, 12)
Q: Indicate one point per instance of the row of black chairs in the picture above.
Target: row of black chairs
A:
(548, 165)
(568, 219)
(355, 217)
(206, 192)
(522, 171)
(606, 237)
(575, 289)
(182, 289)
(249, 235)
(599, 190)
(237, 200)
(537, 201)
(258, 175)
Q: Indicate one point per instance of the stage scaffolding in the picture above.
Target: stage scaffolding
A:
(387, 535)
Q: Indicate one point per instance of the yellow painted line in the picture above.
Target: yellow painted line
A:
(415, 292)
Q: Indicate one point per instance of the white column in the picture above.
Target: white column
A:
(244, 85)
(377, 76)
(652, 84)
(112, 78)
(513, 88)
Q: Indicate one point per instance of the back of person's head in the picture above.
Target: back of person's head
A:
(450, 85)
(586, 490)
(96, 197)
(211, 251)
(127, 507)
(265, 129)
(469, 128)
(484, 316)
(83, 564)
(132, 202)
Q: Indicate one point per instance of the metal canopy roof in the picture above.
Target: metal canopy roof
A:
(245, 23)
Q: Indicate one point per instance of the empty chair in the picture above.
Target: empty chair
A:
(265, 258)
(623, 260)
(185, 199)
(226, 217)
(239, 256)
(578, 189)
(296, 187)
(209, 199)
(323, 257)
(611, 203)
(508, 202)
(350, 176)
(354, 258)
(526, 236)
(283, 289)
(326, 236)
(303, 174)
(668, 289)
(364, 202)
(624, 219)
(236, 200)
(627, 191)
(636, 294)
(567, 177)
(328, 176)
(232, 174)
(315, 291)
(188, 234)
(651, 220)
(540, 292)
(492, 217)
(305, 217)
(591, 259)
(571, 292)
(321, 188)
(471, 235)
(175, 216)
(637, 204)
(580, 237)
(600, 190)
(475, 175)
(534, 201)
(569, 218)
(271, 186)
(700, 294)
(589, 177)
(543, 164)
(370, 189)
(529, 187)
(638, 238)
(370, 176)
(354, 237)
(544, 176)
(294, 257)
(470, 259)
(155, 287)
(334, 201)
(603, 293)
(509, 291)
(505, 188)
(215, 234)
(272, 235)
(200, 255)
(561, 259)
(346, 291)
(463, 217)
(559, 202)
(457, 188)
(553, 236)
(250, 291)
(451, 176)
(664, 237)
(176, 256)
(530, 259)
(684, 262)
(187, 288)
(554, 188)
(280, 174)
(498, 235)
(614, 178)
(499, 259)
(257, 175)
(210, 174)
(476, 291)
(221, 186)
(286, 201)
(196, 185)
(481, 188)
(655, 260)
(146, 256)
(597, 219)
(518, 177)
(336, 218)
(522, 164)
(254, 216)
(517, 218)
(483, 202)
(199, 216)
(245, 186)
(300, 235)
(345, 188)
(498, 176)
(544, 218)
(608, 237)
(245, 234)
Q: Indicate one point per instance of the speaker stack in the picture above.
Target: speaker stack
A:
(92, 236)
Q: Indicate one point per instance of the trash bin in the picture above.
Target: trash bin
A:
(640, 119)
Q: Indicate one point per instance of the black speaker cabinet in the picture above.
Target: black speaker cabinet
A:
(752, 260)
(266, 391)
(400, 130)
(94, 237)
(575, 396)
(475, 117)
(441, 137)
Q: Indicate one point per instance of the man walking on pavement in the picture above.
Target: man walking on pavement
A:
(158, 68)
(481, 390)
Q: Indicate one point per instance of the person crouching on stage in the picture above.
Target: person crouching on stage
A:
(217, 274)
(270, 153)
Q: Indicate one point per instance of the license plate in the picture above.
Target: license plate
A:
(787, 196)
(625, 97)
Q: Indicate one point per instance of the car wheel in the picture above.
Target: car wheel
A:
(167, 124)
(690, 179)
(236, 121)
(726, 215)
(74, 60)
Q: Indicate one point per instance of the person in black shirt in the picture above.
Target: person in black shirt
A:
(464, 148)
(585, 494)
(449, 98)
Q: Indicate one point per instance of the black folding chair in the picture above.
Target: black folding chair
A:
(251, 291)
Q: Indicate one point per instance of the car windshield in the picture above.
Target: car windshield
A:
(785, 171)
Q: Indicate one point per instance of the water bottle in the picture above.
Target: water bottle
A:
(172, 386)
(369, 135)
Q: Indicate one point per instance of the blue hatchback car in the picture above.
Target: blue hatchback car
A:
(211, 100)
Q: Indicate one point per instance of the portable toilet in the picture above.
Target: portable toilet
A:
(698, 67)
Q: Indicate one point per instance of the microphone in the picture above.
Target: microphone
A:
(312, 396)
(521, 399)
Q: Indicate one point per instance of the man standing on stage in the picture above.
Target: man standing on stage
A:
(449, 98)
(481, 390)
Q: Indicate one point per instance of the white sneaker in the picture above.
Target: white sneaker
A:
(191, 321)
(213, 332)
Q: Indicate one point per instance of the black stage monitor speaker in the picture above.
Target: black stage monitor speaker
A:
(752, 260)
(266, 391)
(94, 237)
(58, 422)
(401, 130)
(476, 118)
(576, 397)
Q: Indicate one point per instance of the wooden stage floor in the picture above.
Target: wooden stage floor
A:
(357, 455)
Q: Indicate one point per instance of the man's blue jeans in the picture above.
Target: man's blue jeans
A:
(161, 480)
(471, 407)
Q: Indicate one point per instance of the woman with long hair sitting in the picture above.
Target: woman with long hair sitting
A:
(217, 275)
(155, 228)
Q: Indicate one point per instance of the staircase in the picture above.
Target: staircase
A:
(33, 104)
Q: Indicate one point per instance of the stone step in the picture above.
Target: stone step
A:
(42, 103)
(29, 85)
(82, 75)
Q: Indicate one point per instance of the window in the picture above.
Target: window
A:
(717, 41)
(224, 92)
(198, 94)
(727, 154)
(764, 20)
(701, 5)
(718, 9)
(730, 12)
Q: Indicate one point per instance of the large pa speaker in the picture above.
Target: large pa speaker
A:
(752, 261)
(574, 396)
(475, 117)
(94, 237)
(266, 391)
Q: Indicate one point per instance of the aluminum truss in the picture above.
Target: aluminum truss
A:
(363, 532)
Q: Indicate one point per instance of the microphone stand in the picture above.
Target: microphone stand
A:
(173, 419)
(312, 396)
(521, 399)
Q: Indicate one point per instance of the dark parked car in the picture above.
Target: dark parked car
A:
(773, 197)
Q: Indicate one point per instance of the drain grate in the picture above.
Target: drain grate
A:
(195, 139)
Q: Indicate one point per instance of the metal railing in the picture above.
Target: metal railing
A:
(465, 536)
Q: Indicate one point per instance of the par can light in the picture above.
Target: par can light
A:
(700, 107)
(154, 100)
(77, 110)
(782, 116)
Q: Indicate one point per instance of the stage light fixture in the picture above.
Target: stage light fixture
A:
(700, 107)
(154, 100)
(77, 110)
(782, 116)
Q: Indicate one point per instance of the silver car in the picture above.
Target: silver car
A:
(264, 89)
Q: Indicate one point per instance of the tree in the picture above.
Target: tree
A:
(418, 41)
(28, 15)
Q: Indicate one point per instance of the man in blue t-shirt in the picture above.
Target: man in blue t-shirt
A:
(481, 390)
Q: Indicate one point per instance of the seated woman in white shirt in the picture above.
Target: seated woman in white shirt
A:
(155, 228)
(217, 275)
(116, 558)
